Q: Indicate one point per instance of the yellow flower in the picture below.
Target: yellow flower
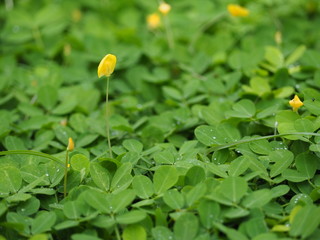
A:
(153, 20)
(295, 103)
(70, 145)
(237, 11)
(164, 8)
(107, 65)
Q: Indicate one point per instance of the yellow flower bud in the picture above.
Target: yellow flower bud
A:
(295, 103)
(107, 65)
(70, 145)
(153, 20)
(237, 11)
(278, 37)
(164, 8)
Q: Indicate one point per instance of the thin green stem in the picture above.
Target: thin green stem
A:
(108, 118)
(116, 229)
(168, 32)
(117, 233)
(30, 152)
(233, 144)
(65, 175)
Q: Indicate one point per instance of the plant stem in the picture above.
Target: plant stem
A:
(117, 233)
(30, 152)
(168, 32)
(233, 144)
(65, 174)
(108, 118)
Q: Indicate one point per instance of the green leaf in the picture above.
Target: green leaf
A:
(186, 227)
(258, 86)
(78, 236)
(280, 190)
(307, 164)
(122, 178)
(194, 176)
(10, 179)
(274, 56)
(161, 233)
(243, 109)
(286, 119)
(173, 93)
(48, 96)
(208, 211)
(196, 193)
(305, 222)
(142, 186)
(134, 232)
(79, 162)
(37, 237)
(174, 199)
(66, 224)
(282, 159)
(255, 226)
(234, 188)
(220, 134)
(100, 176)
(266, 236)
(164, 178)
(43, 222)
(72, 210)
(103, 221)
(133, 145)
(294, 176)
(164, 157)
(257, 198)
(261, 147)
(66, 106)
(295, 55)
(18, 197)
(28, 207)
(121, 200)
(14, 143)
(312, 106)
(304, 125)
(238, 166)
(98, 200)
(217, 170)
(131, 217)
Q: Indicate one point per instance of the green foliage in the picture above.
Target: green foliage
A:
(205, 144)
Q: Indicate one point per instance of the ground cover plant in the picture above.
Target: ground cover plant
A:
(205, 126)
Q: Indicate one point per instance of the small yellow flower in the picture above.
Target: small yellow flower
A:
(237, 11)
(164, 8)
(107, 65)
(295, 103)
(70, 145)
(153, 20)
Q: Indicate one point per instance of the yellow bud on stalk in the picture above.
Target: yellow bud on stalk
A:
(70, 147)
(107, 65)
(153, 20)
(295, 103)
(164, 8)
(237, 11)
